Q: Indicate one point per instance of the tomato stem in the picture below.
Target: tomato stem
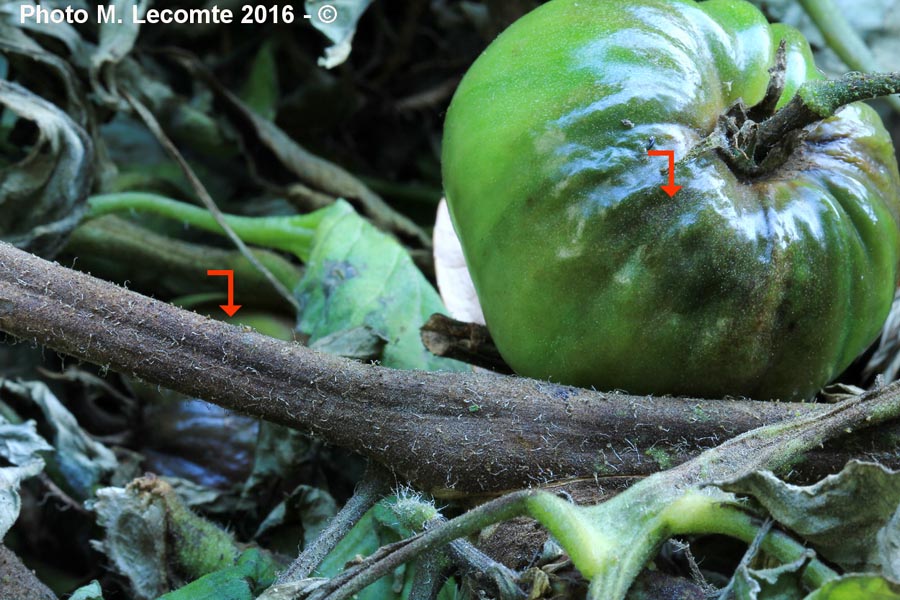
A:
(843, 38)
(817, 100)
(755, 144)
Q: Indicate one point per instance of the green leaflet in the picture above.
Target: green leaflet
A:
(857, 587)
(243, 581)
(260, 90)
(358, 276)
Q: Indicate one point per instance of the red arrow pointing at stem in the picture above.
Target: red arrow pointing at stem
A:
(670, 189)
(231, 307)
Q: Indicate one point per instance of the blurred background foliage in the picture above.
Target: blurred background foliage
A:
(269, 132)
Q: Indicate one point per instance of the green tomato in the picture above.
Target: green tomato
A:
(765, 286)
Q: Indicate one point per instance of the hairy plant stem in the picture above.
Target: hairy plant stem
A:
(375, 484)
(610, 542)
(418, 424)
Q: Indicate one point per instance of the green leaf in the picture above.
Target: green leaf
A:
(42, 196)
(340, 30)
(260, 91)
(857, 587)
(252, 574)
(358, 276)
(841, 516)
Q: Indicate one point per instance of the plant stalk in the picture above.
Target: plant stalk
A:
(418, 424)
(843, 39)
(820, 99)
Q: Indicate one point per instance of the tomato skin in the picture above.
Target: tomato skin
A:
(589, 274)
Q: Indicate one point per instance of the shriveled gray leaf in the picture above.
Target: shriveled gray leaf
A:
(840, 515)
(135, 540)
(358, 343)
(116, 42)
(779, 583)
(10, 15)
(42, 197)
(91, 591)
(888, 539)
(154, 540)
(81, 461)
(44, 67)
(20, 443)
(340, 30)
(10, 502)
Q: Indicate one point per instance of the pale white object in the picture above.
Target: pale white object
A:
(453, 279)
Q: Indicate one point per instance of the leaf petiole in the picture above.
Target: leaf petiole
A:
(292, 234)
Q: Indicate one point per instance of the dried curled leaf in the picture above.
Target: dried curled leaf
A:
(337, 20)
(847, 517)
(42, 196)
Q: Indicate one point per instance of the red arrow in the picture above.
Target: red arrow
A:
(670, 189)
(231, 307)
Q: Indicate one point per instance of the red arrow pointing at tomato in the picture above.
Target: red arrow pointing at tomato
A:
(670, 189)
(231, 307)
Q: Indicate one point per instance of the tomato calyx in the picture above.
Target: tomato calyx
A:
(742, 144)
(755, 142)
